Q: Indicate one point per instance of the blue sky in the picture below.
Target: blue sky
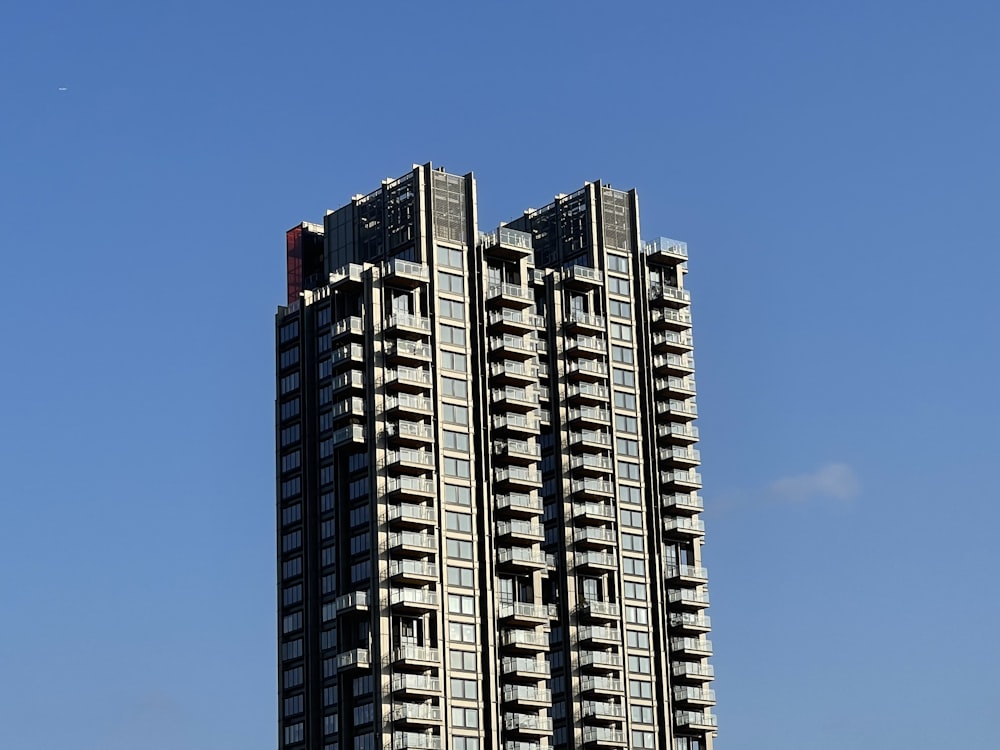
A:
(834, 168)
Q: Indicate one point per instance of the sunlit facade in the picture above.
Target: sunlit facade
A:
(487, 493)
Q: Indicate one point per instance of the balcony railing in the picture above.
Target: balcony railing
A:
(601, 684)
(694, 719)
(408, 401)
(693, 694)
(603, 735)
(419, 597)
(513, 664)
(406, 740)
(666, 246)
(692, 669)
(409, 484)
(513, 693)
(523, 609)
(519, 501)
(586, 319)
(416, 712)
(532, 722)
(418, 682)
(592, 633)
(408, 320)
(417, 653)
(417, 568)
(509, 290)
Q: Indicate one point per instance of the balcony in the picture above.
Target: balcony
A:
(693, 696)
(513, 321)
(357, 658)
(527, 725)
(603, 737)
(517, 478)
(510, 346)
(518, 505)
(592, 439)
(415, 685)
(683, 528)
(680, 456)
(349, 327)
(407, 325)
(513, 373)
(349, 408)
(346, 275)
(594, 537)
(526, 696)
(668, 296)
(686, 598)
(666, 251)
(405, 403)
(591, 489)
(355, 601)
(520, 531)
(409, 433)
(589, 416)
(348, 355)
(696, 648)
(513, 451)
(601, 661)
(601, 686)
(679, 410)
(515, 424)
(688, 623)
(581, 277)
(587, 393)
(352, 433)
(673, 364)
(414, 601)
(405, 273)
(525, 614)
(519, 400)
(423, 741)
(682, 504)
(409, 488)
(581, 322)
(585, 369)
(680, 480)
(409, 544)
(408, 380)
(409, 461)
(416, 658)
(407, 352)
(524, 669)
(686, 575)
(412, 572)
(695, 720)
(603, 712)
(595, 561)
(506, 243)
(524, 641)
(673, 386)
(416, 715)
(597, 514)
(589, 464)
(348, 381)
(589, 347)
(521, 559)
(691, 671)
(599, 635)
(672, 341)
(674, 320)
(677, 434)
(509, 295)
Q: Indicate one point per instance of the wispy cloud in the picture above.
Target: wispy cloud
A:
(835, 481)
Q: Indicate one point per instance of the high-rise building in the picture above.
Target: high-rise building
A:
(487, 506)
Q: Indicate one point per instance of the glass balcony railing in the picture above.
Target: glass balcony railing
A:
(599, 633)
(408, 320)
(412, 512)
(686, 571)
(420, 597)
(590, 390)
(511, 664)
(512, 693)
(409, 484)
(412, 568)
(418, 682)
(408, 401)
(604, 710)
(521, 555)
(691, 644)
(524, 528)
(407, 539)
(667, 246)
(688, 525)
(406, 740)
(523, 609)
(527, 721)
(509, 290)
(416, 712)
(694, 719)
(603, 684)
(688, 620)
(603, 734)
(398, 266)
(586, 319)
(692, 669)
(516, 500)
(417, 653)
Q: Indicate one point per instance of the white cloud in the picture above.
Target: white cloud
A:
(835, 481)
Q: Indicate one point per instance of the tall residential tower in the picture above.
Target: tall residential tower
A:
(487, 506)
